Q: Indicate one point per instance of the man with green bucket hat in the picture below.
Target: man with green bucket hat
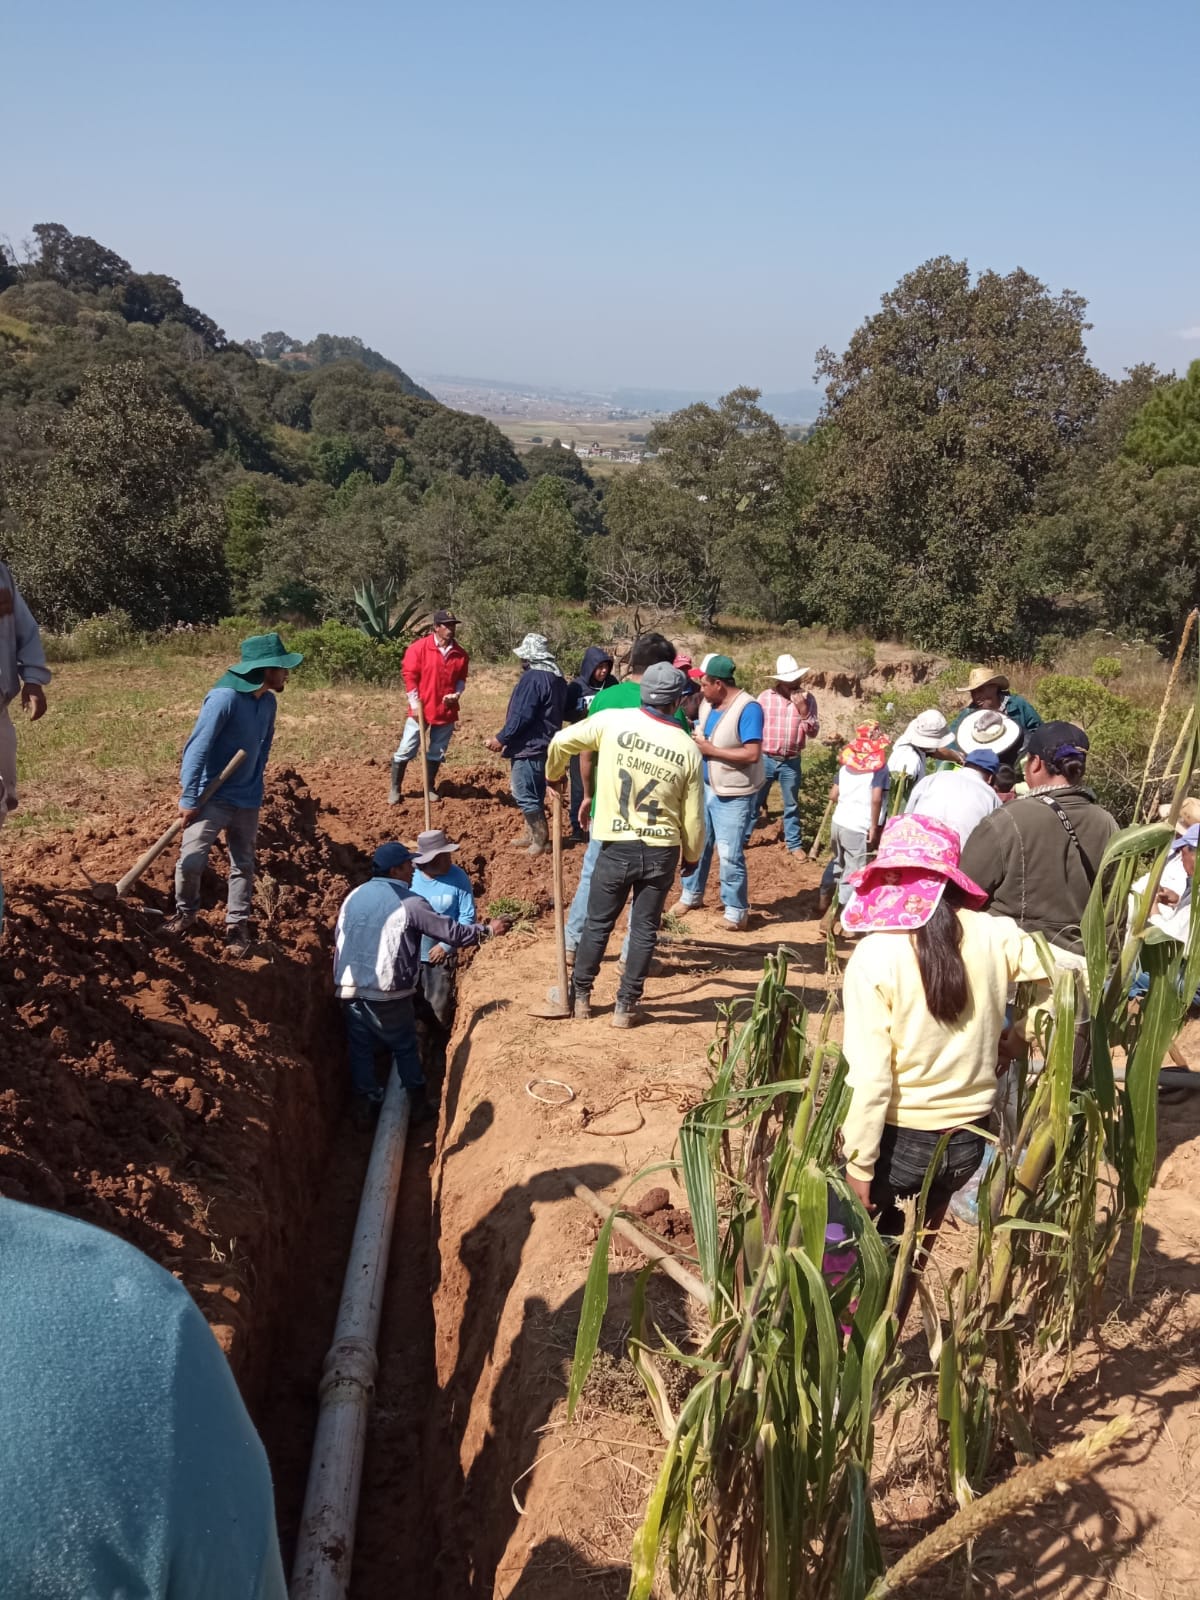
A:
(238, 714)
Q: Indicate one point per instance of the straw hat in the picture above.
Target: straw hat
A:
(980, 677)
(901, 889)
(987, 730)
(789, 670)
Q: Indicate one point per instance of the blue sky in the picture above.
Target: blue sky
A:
(643, 194)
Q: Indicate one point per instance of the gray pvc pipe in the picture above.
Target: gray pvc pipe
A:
(325, 1548)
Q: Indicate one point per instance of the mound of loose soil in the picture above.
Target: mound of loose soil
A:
(163, 1089)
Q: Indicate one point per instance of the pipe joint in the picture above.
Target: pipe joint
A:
(351, 1364)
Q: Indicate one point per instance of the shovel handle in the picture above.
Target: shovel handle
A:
(424, 731)
(156, 849)
(560, 930)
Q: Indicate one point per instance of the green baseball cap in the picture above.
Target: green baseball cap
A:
(719, 667)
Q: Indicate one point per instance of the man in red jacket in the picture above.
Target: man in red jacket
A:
(435, 675)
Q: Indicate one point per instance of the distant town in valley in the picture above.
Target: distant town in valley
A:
(601, 425)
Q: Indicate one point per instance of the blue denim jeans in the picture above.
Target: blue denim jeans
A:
(528, 783)
(787, 770)
(577, 915)
(376, 1025)
(437, 739)
(726, 823)
(240, 827)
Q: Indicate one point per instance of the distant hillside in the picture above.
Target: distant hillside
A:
(281, 350)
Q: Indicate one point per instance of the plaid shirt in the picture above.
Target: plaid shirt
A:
(785, 731)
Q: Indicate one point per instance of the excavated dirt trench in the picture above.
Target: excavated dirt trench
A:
(193, 1103)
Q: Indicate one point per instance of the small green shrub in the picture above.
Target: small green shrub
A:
(818, 770)
(335, 653)
(1118, 733)
(102, 635)
(1107, 669)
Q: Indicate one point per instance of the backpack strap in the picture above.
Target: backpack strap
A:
(1068, 826)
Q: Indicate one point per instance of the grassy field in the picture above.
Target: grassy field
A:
(111, 740)
(609, 435)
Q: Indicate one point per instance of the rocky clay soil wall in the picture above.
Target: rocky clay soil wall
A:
(177, 1096)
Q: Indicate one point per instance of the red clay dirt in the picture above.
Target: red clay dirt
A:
(191, 1102)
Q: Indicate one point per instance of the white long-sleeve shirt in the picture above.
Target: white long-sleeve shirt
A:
(377, 955)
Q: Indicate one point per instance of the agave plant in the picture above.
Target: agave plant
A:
(379, 621)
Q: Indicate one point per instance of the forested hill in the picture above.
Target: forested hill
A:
(295, 356)
(973, 483)
(151, 465)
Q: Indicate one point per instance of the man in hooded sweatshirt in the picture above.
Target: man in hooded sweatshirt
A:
(537, 709)
(595, 674)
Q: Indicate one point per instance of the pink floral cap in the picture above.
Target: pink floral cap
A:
(902, 888)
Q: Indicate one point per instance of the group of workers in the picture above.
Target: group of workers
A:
(998, 838)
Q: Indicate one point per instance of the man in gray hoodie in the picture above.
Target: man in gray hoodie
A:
(23, 672)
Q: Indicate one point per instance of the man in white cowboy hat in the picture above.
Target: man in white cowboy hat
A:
(537, 709)
(238, 714)
(989, 691)
(790, 720)
(445, 887)
(928, 734)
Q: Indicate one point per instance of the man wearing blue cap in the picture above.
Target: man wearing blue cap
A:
(238, 714)
(961, 797)
(376, 969)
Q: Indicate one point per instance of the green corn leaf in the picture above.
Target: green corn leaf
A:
(591, 1315)
(647, 1540)
(1025, 1226)
(696, 1157)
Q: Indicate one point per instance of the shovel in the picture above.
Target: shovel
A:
(557, 1001)
(114, 891)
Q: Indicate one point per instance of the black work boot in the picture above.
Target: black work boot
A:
(396, 792)
(431, 778)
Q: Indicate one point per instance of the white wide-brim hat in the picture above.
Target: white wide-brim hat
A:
(789, 670)
(988, 730)
(927, 731)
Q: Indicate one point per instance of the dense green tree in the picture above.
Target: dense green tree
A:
(1166, 431)
(730, 460)
(467, 446)
(117, 516)
(654, 554)
(537, 549)
(75, 260)
(949, 407)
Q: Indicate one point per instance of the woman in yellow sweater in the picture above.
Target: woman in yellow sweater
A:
(924, 998)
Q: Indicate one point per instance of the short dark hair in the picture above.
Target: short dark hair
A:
(1006, 779)
(649, 648)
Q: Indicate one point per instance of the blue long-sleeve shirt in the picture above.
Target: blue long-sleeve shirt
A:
(536, 711)
(128, 1465)
(229, 721)
(22, 658)
(450, 896)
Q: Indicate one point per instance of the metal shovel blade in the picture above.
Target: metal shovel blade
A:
(555, 1009)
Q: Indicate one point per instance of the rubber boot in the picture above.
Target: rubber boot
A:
(396, 792)
(539, 831)
(526, 837)
(431, 778)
